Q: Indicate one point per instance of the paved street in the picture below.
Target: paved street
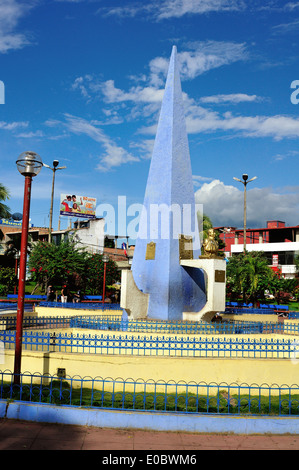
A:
(24, 435)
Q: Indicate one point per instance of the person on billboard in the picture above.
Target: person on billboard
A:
(76, 207)
(76, 204)
(66, 203)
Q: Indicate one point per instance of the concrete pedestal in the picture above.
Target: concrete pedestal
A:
(215, 276)
(132, 299)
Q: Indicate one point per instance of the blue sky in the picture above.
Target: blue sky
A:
(84, 82)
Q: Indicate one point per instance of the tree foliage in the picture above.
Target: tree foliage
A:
(249, 275)
(65, 264)
(7, 280)
(4, 209)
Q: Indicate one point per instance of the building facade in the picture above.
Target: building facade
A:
(279, 243)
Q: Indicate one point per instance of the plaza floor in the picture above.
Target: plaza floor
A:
(24, 435)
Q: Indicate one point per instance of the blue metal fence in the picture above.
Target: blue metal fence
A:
(14, 306)
(142, 345)
(82, 305)
(117, 323)
(152, 396)
(268, 307)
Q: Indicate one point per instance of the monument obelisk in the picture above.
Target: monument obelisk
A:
(168, 227)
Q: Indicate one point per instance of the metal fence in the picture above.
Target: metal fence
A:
(153, 396)
(14, 306)
(118, 323)
(182, 327)
(82, 305)
(142, 345)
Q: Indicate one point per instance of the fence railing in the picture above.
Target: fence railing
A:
(117, 323)
(153, 396)
(13, 306)
(259, 311)
(268, 307)
(142, 345)
(182, 327)
(82, 305)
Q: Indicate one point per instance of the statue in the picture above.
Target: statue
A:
(210, 245)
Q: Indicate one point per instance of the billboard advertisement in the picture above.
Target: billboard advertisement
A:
(78, 206)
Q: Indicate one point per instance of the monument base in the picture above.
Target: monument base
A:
(132, 299)
(215, 273)
(136, 302)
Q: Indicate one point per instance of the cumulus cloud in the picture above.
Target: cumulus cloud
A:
(233, 98)
(201, 57)
(199, 120)
(11, 12)
(224, 204)
(113, 156)
(11, 126)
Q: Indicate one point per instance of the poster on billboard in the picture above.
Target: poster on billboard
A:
(78, 206)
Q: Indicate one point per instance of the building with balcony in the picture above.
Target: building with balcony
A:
(279, 243)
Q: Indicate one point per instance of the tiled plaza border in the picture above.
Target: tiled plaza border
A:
(154, 421)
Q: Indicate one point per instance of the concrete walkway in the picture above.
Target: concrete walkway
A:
(24, 435)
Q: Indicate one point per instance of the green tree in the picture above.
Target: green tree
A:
(255, 275)
(56, 264)
(248, 275)
(234, 280)
(7, 280)
(94, 274)
(4, 209)
(64, 263)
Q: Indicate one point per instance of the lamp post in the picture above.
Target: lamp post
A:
(54, 169)
(105, 259)
(245, 181)
(29, 165)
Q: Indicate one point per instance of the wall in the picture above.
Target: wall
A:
(178, 369)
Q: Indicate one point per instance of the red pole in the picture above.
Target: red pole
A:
(104, 283)
(22, 279)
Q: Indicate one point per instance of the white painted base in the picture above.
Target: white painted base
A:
(132, 299)
(215, 290)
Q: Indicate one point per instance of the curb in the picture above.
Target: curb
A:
(148, 421)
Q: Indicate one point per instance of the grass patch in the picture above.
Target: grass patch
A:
(59, 392)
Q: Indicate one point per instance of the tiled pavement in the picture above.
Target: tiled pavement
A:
(24, 435)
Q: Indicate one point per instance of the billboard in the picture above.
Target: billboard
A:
(78, 206)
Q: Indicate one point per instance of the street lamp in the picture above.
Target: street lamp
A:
(245, 181)
(105, 259)
(29, 165)
(55, 167)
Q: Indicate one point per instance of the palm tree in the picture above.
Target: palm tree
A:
(254, 271)
(4, 209)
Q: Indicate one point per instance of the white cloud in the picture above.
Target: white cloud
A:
(199, 120)
(178, 8)
(136, 94)
(165, 9)
(198, 180)
(114, 155)
(224, 204)
(11, 12)
(230, 98)
(202, 57)
(11, 126)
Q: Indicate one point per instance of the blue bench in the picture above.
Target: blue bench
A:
(31, 297)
